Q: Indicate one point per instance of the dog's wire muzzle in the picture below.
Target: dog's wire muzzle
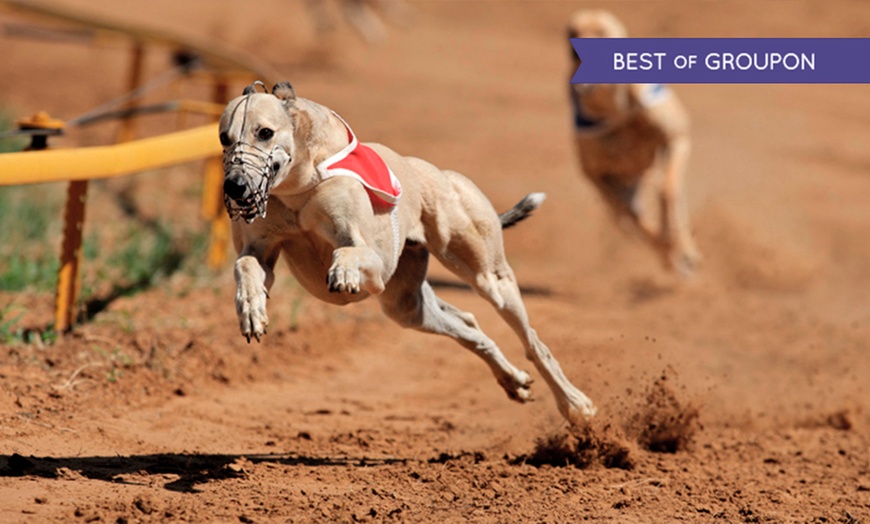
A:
(258, 170)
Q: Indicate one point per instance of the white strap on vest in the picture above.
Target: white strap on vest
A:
(394, 222)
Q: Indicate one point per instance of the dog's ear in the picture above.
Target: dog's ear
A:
(284, 91)
(253, 88)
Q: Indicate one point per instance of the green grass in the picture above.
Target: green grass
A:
(152, 251)
(21, 273)
(147, 253)
(30, 215)
(27, 214)
(9, 330)
(12, 333)
(147, 256)
(120, 258)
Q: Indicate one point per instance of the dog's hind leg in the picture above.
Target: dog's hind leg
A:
(411, 302)
(683, 255)
(471, 246)
(499, 286)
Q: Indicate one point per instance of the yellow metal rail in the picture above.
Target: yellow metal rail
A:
(35, 167)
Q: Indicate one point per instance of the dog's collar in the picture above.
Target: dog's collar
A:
(650, 95)
(583, 124)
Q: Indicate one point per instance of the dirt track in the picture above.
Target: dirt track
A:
(760, 365)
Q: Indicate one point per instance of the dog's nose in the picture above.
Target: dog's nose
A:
(235, 187)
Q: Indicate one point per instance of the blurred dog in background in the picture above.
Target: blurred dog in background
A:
(624, 134)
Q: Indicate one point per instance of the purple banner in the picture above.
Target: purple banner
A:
(722, 60)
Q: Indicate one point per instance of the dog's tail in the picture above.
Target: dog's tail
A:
(522, 210)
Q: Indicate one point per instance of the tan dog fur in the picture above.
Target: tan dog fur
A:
(339, 246)
(629, 141)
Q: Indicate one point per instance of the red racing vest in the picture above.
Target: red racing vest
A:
(361, 163)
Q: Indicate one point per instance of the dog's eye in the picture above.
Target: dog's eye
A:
(265, 134)
(225, 139)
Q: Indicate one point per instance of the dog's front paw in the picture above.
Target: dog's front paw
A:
(251, 309)
(355, 270)
(344, 275)
(343, 279)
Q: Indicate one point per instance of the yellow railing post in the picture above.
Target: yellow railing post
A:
(213, 194)
(68, 281)
(68, 278)
(220, 224)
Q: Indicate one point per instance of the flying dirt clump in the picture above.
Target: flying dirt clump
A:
(582, 447)
(662, 423)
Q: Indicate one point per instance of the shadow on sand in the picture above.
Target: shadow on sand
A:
(191, 469)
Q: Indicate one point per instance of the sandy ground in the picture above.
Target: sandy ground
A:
(741, 396)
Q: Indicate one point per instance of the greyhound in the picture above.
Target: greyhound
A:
(356, 220)
(623, 132)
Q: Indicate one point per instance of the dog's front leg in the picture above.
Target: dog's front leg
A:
(341, 215)
(254, 277)
(684, 256)
(356, 266)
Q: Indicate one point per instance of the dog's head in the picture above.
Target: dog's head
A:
(257, 133)
(595, 23)
(592, 23)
